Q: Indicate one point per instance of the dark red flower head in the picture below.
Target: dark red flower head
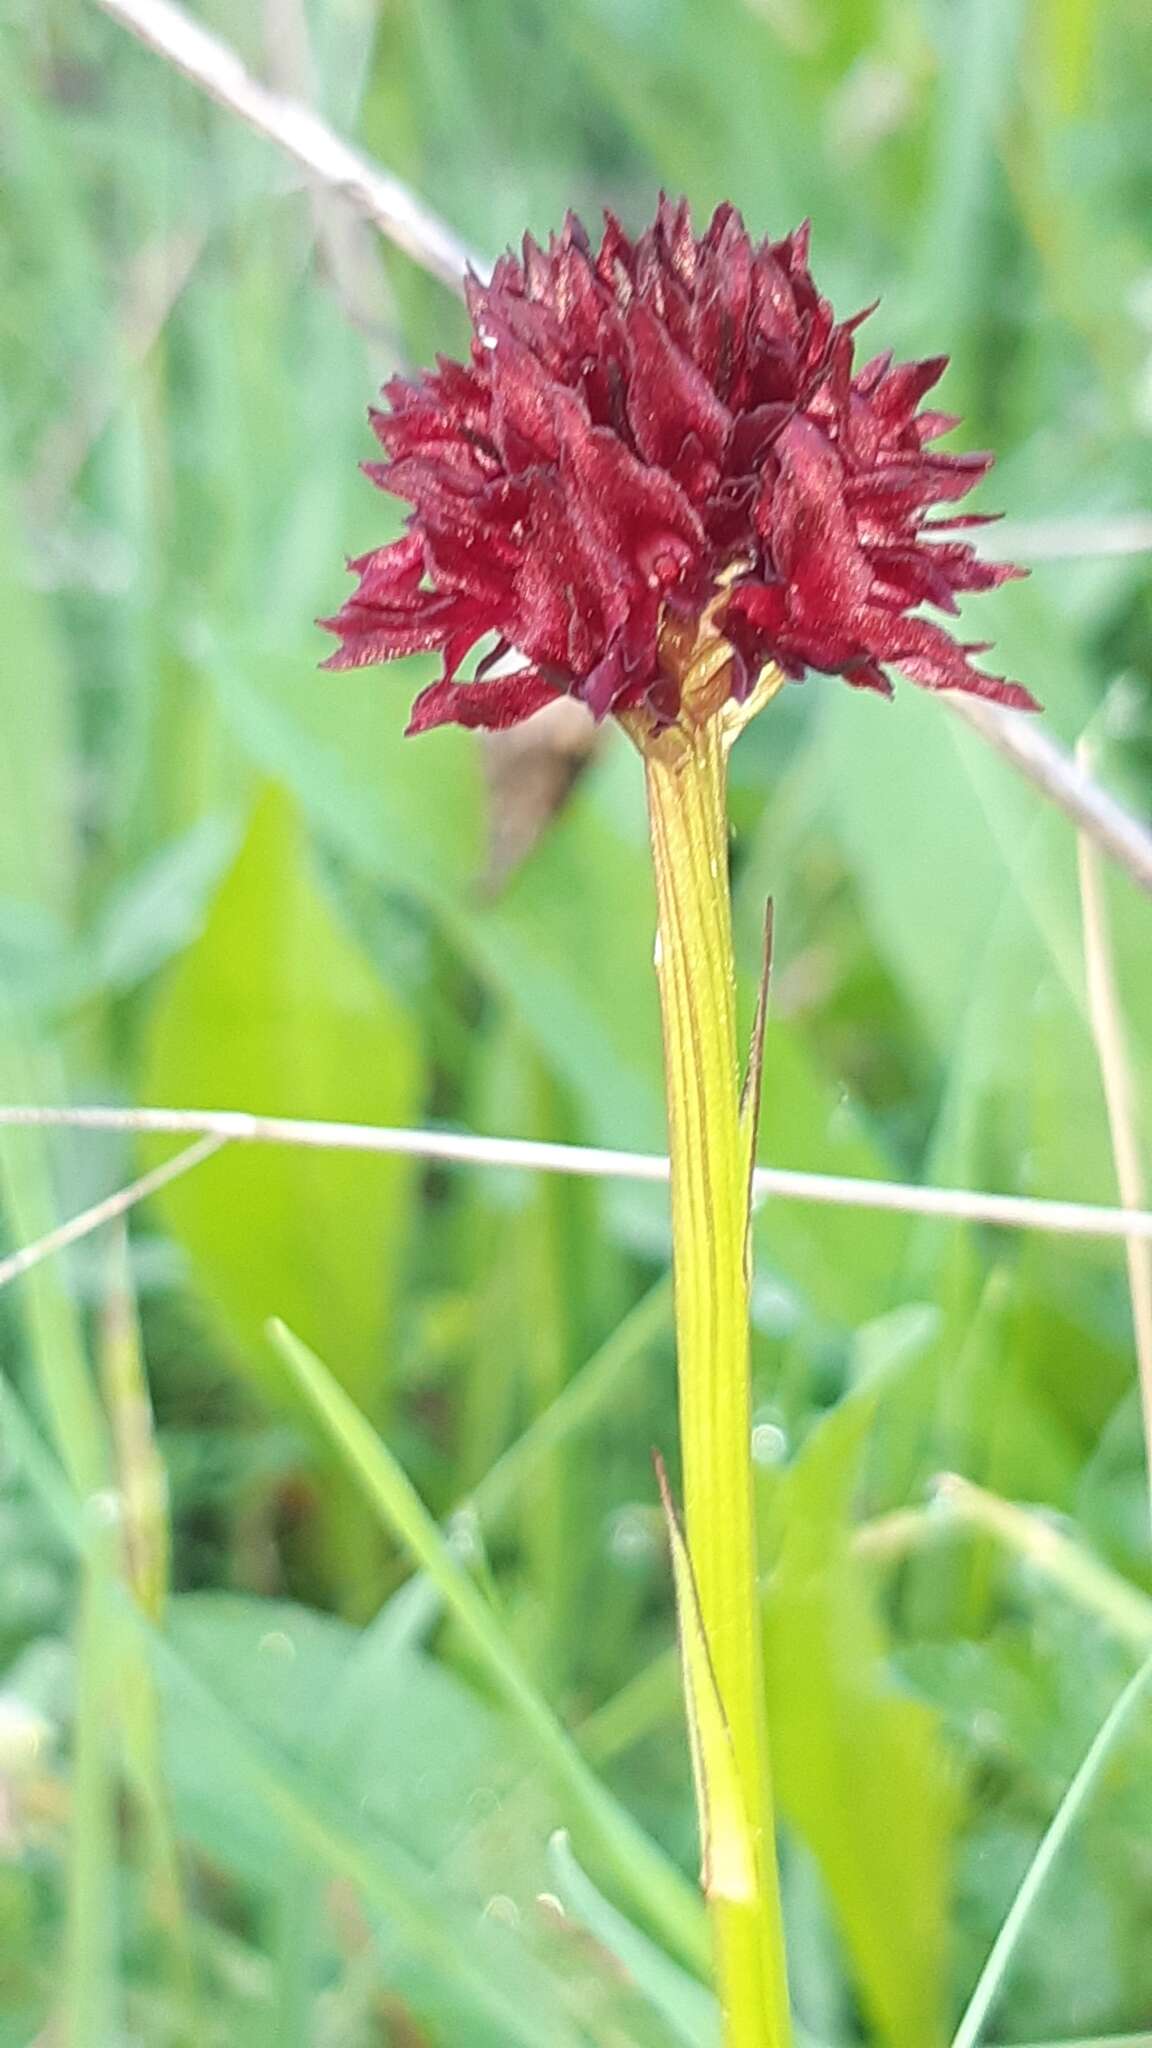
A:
(658, 433)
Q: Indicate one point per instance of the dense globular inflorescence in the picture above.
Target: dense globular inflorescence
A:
(663, 433)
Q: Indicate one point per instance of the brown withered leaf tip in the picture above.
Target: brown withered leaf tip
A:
(647, 434)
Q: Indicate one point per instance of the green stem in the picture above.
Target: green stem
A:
(687, 786)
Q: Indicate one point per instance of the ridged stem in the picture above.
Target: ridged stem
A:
(687, 789)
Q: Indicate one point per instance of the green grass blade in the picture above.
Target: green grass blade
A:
(690, 2011)
(583, 1401)
(1096, 2041)
(65, 1391)
(609, 1838)
(28, 1454)
(1067, 1814)
(143, 1553)
(88, 2010)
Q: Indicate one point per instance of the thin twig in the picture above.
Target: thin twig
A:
(1120, 1097)
(218, 70)
(344, 240)
(963, 1205)
(108, 1210)
(1024, 742)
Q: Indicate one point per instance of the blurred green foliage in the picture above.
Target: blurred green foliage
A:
(296, 1811)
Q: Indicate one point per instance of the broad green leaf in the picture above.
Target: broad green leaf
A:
(274, 1010)
(270, 1662)
(569, 942)
(861, 1771)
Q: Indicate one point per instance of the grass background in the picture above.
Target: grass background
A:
(313, 1797)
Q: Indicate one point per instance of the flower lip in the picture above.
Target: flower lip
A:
(665, 428)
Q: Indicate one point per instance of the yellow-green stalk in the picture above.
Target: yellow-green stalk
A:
(709, 1140)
